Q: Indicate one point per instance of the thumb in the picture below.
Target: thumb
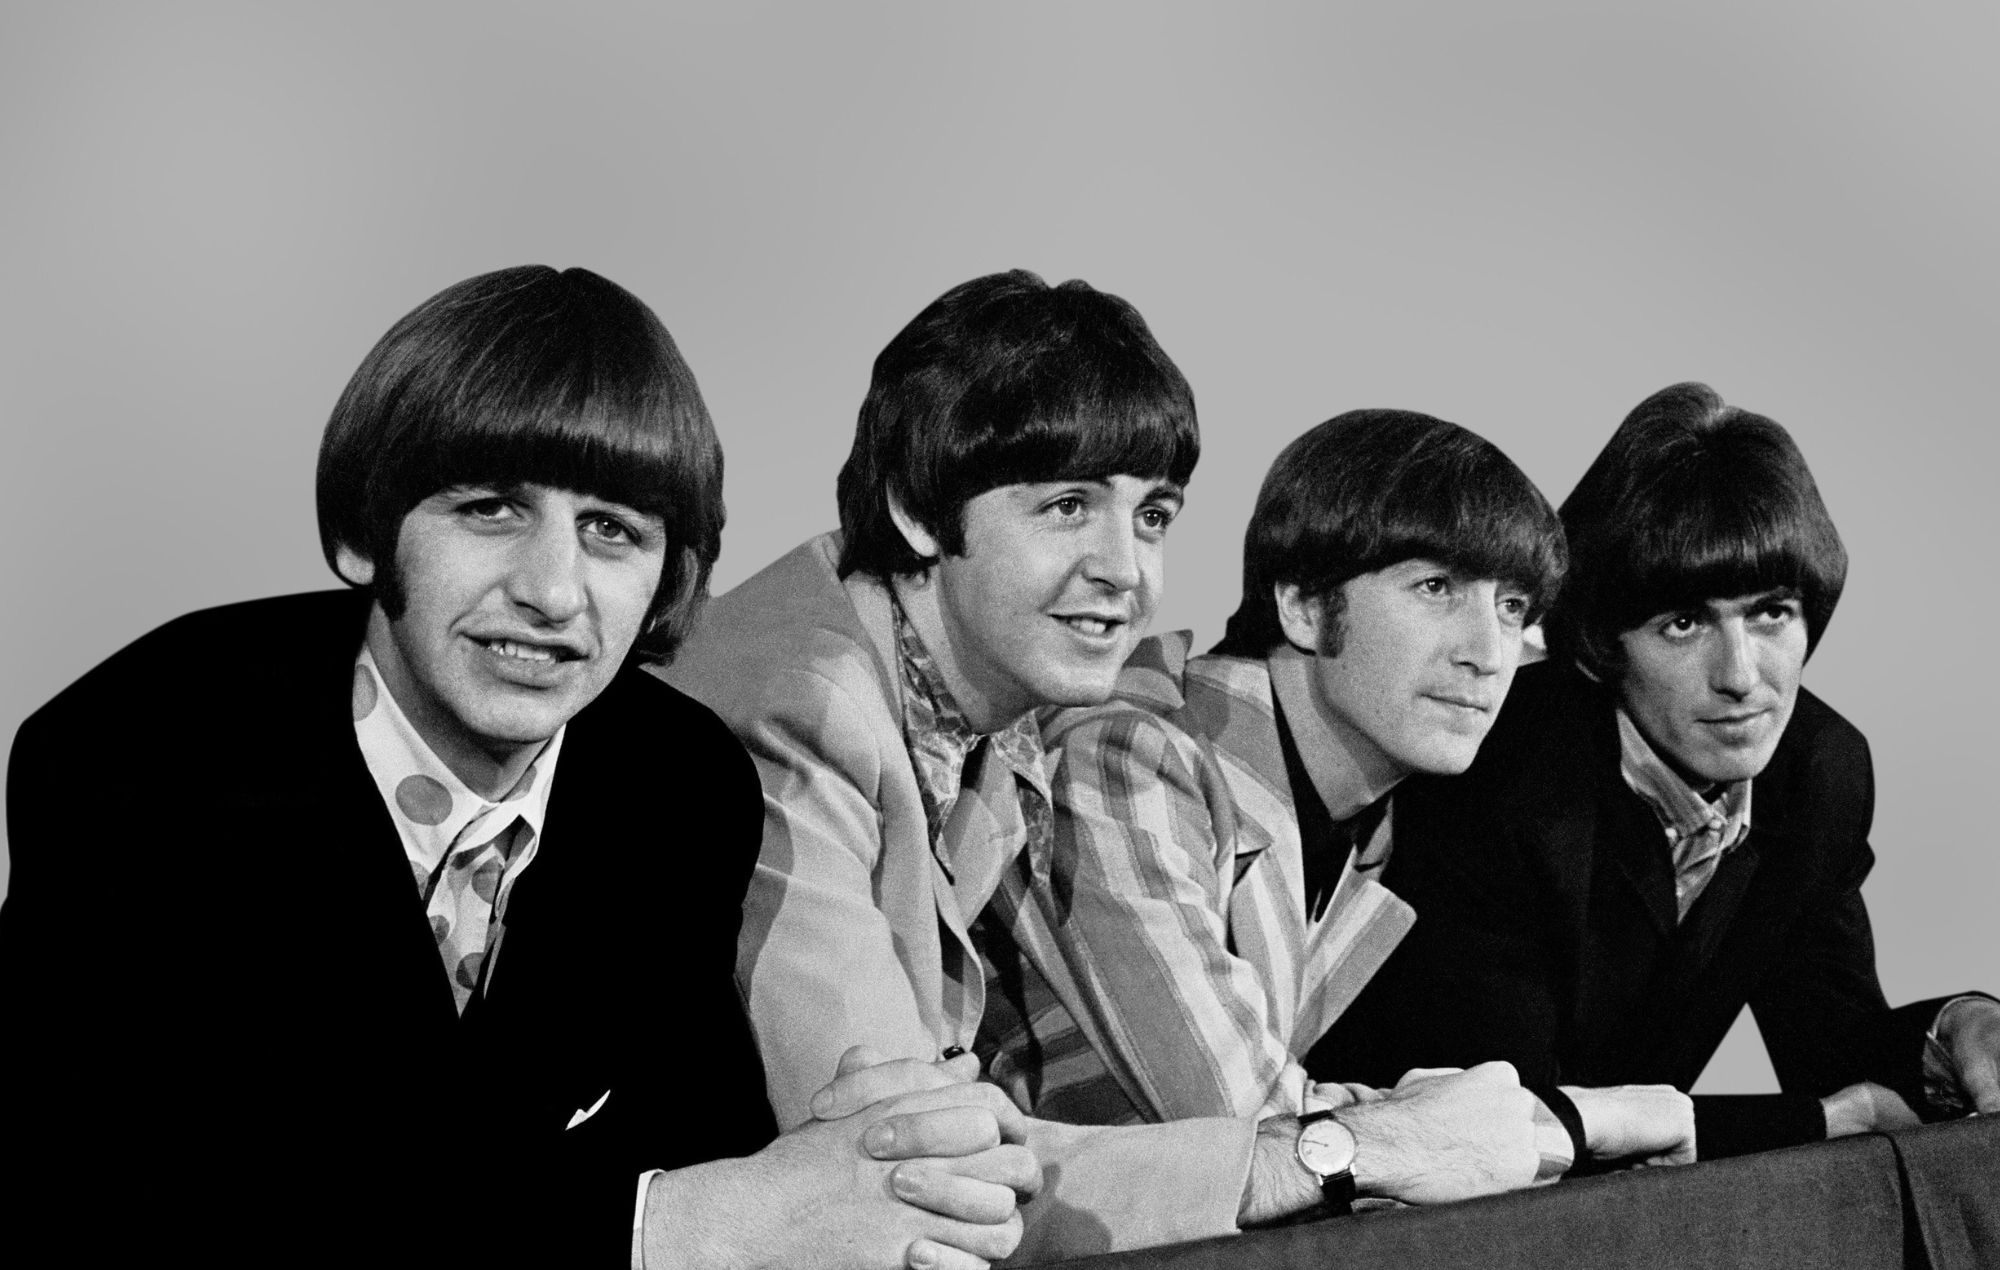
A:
(1980, 1079)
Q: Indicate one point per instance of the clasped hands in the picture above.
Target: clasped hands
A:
(906, 1166)
(949, 1146)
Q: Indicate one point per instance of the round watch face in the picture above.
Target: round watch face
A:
(1326, 1147)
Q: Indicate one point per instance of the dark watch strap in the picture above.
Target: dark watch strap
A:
(1564, 1109)
(1336, 1189)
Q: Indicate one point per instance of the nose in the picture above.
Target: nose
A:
(1732, 667)
(1481, 643)
(547, 572)
(1115, 561)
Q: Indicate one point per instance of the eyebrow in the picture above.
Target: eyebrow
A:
(1774, 593)
(1748, 600)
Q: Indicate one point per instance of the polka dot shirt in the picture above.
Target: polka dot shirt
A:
(465, 852)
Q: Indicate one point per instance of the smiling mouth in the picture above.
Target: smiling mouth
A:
(1092, 625)
(534, 654)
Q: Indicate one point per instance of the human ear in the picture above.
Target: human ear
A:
(353, 567)
(1298, 615)
(921, 540)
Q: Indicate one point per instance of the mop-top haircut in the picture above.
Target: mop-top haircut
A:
(528, 376)
(1006, 380)
(1372, 488)
(1691, 500)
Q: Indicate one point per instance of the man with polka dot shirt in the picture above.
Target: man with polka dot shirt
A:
(422, 948)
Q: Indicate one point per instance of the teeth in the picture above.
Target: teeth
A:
(508, 649)
(1089, 625)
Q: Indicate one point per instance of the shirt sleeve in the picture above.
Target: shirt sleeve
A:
(1136, 903)
(1942, 1088)
(639, 1218)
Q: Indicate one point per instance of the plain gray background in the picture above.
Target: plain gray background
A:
(1523, 218)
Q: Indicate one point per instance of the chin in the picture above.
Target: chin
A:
(1729, 769)
(1079, 690)
(522, 728)
(1444, 762)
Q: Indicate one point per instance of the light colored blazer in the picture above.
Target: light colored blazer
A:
(1177, 895)
(852, 933)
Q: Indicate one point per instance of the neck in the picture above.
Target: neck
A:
(487, 770)
(1348, 772)
(984, 711)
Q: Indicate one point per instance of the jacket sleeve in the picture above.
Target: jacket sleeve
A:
(1821, 1010)
(686, 1088)
(817, 959)
(1136, 905)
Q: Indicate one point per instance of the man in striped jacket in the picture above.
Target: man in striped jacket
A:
(1220, 892)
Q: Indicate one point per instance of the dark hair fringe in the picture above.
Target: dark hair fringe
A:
(1371, 488)
(1005, 380)
(528, 376)
(1691, 500)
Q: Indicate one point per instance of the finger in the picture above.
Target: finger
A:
(1012, 1121)
(1014, 1167)
(952, 1195)
(1981, 1082)
(857, 1087)
(858, 1057)
(1497, 1072)
(992, 1242)
(928, 1254)
(1426, 1073)
(942, 1131)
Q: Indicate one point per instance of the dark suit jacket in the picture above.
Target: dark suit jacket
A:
(1546, 930)
(227, 1030)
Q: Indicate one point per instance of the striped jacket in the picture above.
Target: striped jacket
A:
(1180, 976)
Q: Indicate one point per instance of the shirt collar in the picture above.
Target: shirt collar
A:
(939, 738)
(1682, 811)
(431, 806)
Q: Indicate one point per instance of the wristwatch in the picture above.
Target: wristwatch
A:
(1326, 1150)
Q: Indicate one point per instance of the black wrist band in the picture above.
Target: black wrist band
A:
(1564, 1110)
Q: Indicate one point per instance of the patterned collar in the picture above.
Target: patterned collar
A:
(432, 808)
(1683, 813)
(940, 740)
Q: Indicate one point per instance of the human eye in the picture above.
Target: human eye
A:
(1066, 506)
(1513, 608)
(1777, 612)
(1433, 585)
(482, 506)
(609, 529)
(1154, 519)
(1678, 626)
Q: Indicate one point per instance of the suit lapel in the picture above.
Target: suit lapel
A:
(1309, 980)
(374, 942)
(1366, 923)
(963, 986)
(1708, 923)
(1637, 848)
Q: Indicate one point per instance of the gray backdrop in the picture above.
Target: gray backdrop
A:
(1523, 218)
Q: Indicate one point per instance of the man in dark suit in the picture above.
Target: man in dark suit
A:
(1600, 893)
(311, 954)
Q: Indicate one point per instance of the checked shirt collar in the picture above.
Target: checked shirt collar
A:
(1699, 831)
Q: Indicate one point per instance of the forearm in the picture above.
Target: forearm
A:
(820, 974)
